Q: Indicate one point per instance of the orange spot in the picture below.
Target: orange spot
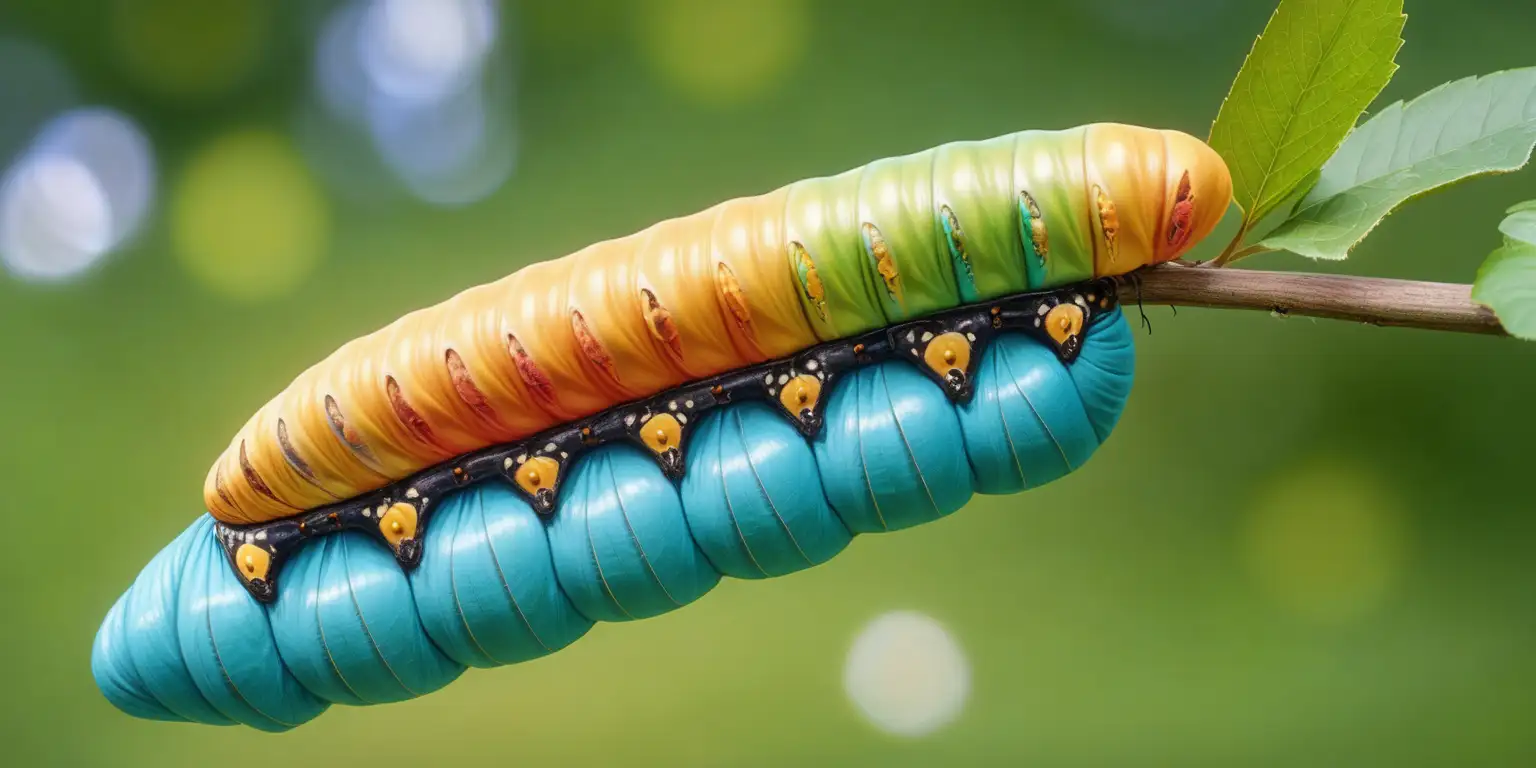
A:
(733, 297)
(1109, 221)
(345, 433)
(662, 327)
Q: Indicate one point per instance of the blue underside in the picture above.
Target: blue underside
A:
(499, 585)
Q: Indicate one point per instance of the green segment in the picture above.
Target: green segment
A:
(1049, 166)
(972, 179)
(827, 257)
(896, 196)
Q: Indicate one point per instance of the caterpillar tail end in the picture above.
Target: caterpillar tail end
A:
(257, 553)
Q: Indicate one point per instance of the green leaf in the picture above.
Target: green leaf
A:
(1520, 224)
(1317, 66)
(1506, 284)
(1463, 128)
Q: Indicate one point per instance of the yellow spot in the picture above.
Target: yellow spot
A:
(398, 523)
(800, 393)
(1327, 540)
(1063, 322)
(723, 53)
(189, 48)
(947, 352)
(537, 473)
(254, 561)
(661, 432)
(246, 217)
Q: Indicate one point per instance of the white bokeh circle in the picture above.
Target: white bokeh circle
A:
(907, 674)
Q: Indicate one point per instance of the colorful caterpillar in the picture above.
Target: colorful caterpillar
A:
(734, 393)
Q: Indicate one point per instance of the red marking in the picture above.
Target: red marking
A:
(1181, 222)
(533, 376)
(591, 347)
(292, 455)
(412, 421)
(464, 384)
(259, 485)
(218, 487)
(344, 432)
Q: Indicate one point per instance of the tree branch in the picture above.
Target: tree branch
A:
(1370, 300)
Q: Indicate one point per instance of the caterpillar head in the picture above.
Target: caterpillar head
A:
(1198, 192)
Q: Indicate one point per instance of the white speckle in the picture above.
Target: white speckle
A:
(382, 509)
(507, 463)
(971, 337)
(629, 421)
(810, 365)
(550, 448)
(688, 404)
(927, 336)
(682, 418)
(367, 512)
(906, 674)
(564, 455)
(1042, 309)
(672, 406)
(783, 379)
(768, 379)
(914, 353)
(522, 457)
(261, 535)
(773, 392)
(1079, 300)
(249, 537)
(821, 376)
(412, 493)
(1037, 322)
(911, 336)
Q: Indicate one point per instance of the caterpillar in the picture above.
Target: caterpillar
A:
(602, 437)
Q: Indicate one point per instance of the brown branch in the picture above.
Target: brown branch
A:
(1370, 300)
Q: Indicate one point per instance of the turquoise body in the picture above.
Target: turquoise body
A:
(498, 585)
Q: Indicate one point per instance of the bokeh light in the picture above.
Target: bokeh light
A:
(723, 53)
(424, 82)
(189, 48)
(906, 674)
(1326, 540)
(78, 192)
(247, 218)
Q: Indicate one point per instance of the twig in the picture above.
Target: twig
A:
(1370, 300)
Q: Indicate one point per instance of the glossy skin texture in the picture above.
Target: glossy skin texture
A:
(500, 585)
(749, 280)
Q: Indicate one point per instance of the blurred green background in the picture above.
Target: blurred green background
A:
(1308, 543)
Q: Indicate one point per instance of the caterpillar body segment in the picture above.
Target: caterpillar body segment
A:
(501, 583)
(750, 280)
